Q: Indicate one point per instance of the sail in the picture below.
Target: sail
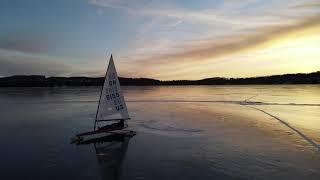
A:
(111, 101)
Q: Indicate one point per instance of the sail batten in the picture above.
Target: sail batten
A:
(112, 104)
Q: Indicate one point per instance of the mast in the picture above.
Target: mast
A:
(95, 121)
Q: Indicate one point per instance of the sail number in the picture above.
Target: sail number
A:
(112, 93)
(115, 97)
(112, 96)
(112, 83)
(118, 108)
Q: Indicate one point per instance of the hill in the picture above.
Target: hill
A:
(42, 81)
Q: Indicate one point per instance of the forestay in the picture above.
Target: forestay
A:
(111, 101)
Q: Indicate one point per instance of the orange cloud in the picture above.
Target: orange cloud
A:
(196, 54)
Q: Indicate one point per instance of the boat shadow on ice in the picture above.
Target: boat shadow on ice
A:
(110, 157)
(110, 151)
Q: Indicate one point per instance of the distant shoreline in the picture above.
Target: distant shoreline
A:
(42, 81)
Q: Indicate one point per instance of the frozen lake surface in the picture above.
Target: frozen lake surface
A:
(183, 132)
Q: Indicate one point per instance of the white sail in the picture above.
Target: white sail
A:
(111, 101)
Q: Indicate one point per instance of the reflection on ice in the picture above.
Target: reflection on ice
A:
(110, 156)
(110, 151)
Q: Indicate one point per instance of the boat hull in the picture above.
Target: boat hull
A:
(100, 137)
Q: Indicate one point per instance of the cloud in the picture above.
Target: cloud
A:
(15, 62)
(152, 9)
(246, 13)
(215, 26)
(119, 4)
(166, 35)
(25, 42)
(313, 4)
(265, 35)
(197, 53)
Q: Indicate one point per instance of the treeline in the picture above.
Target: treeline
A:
(42, 81)
(301, 78)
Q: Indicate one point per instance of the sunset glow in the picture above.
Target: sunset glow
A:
(163, 40)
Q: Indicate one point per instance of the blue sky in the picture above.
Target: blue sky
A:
(179, 39)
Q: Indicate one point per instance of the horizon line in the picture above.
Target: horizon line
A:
(158, 79)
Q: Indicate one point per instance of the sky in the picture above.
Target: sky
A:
(161, 39)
